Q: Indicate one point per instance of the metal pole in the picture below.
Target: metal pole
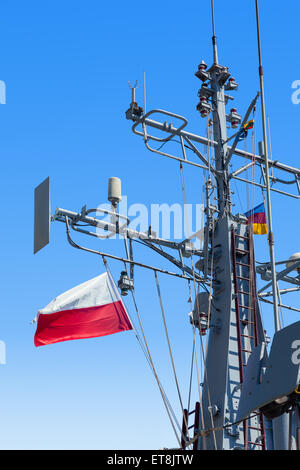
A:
(268, 192)
(281, 424)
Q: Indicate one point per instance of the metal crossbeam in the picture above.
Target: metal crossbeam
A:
(281, 275)
(164, 127)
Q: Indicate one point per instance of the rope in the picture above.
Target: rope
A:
(209, 303)
(191, 377)
(146, 351)
(204, 362)
(252, 298)
(183, 186)
(270, 147)
(169, 346)
(196, 360)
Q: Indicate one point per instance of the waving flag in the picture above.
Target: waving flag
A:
(249, 125)
(257, 217)
(89, 310)
(244, 131)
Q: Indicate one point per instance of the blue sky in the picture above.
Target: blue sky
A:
(66, 66)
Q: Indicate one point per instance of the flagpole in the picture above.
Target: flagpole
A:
(268, 192)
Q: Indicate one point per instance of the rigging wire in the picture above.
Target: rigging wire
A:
(183, 188)
(193, 272)
(170, 348)
(197, 368)
(210, 290)
(270, 146)
(204, 353)
(192, 360)
(252, 297)
(145, 348)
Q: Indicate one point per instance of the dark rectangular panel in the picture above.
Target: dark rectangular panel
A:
(41, 215)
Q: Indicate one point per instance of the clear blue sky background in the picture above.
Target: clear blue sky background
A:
(66, 66)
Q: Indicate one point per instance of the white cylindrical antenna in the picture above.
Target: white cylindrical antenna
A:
(114, 190)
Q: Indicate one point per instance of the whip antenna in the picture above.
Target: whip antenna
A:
(214, 38)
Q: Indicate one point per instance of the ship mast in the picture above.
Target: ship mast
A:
(226, 310)
(235, 318)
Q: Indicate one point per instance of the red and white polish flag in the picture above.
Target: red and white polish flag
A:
(89, 310)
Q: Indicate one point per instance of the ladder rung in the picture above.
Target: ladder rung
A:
(243, 264)
(242, 277)
(241, 236)
(246, 322)
(244, 292)
(246, 350)
(246, 306)
(256, 444)
(247, 336)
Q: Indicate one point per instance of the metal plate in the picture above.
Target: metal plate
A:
(41, 215)
(282, 371)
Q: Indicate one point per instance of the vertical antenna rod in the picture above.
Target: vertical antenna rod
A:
(145, 92)
(270, 229)
(214, 38)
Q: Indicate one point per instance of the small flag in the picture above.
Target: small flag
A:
(244, 131)
(89, 310)
(257, 217)
(249, 125)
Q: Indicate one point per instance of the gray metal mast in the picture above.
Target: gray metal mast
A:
(225, 356)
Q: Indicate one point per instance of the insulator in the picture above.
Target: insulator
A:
(204, 107)
(202, 66)
(234, 118)
(201, 72)
(231, 84)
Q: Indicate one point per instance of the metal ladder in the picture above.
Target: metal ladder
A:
(186, 427)
(246, 321)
